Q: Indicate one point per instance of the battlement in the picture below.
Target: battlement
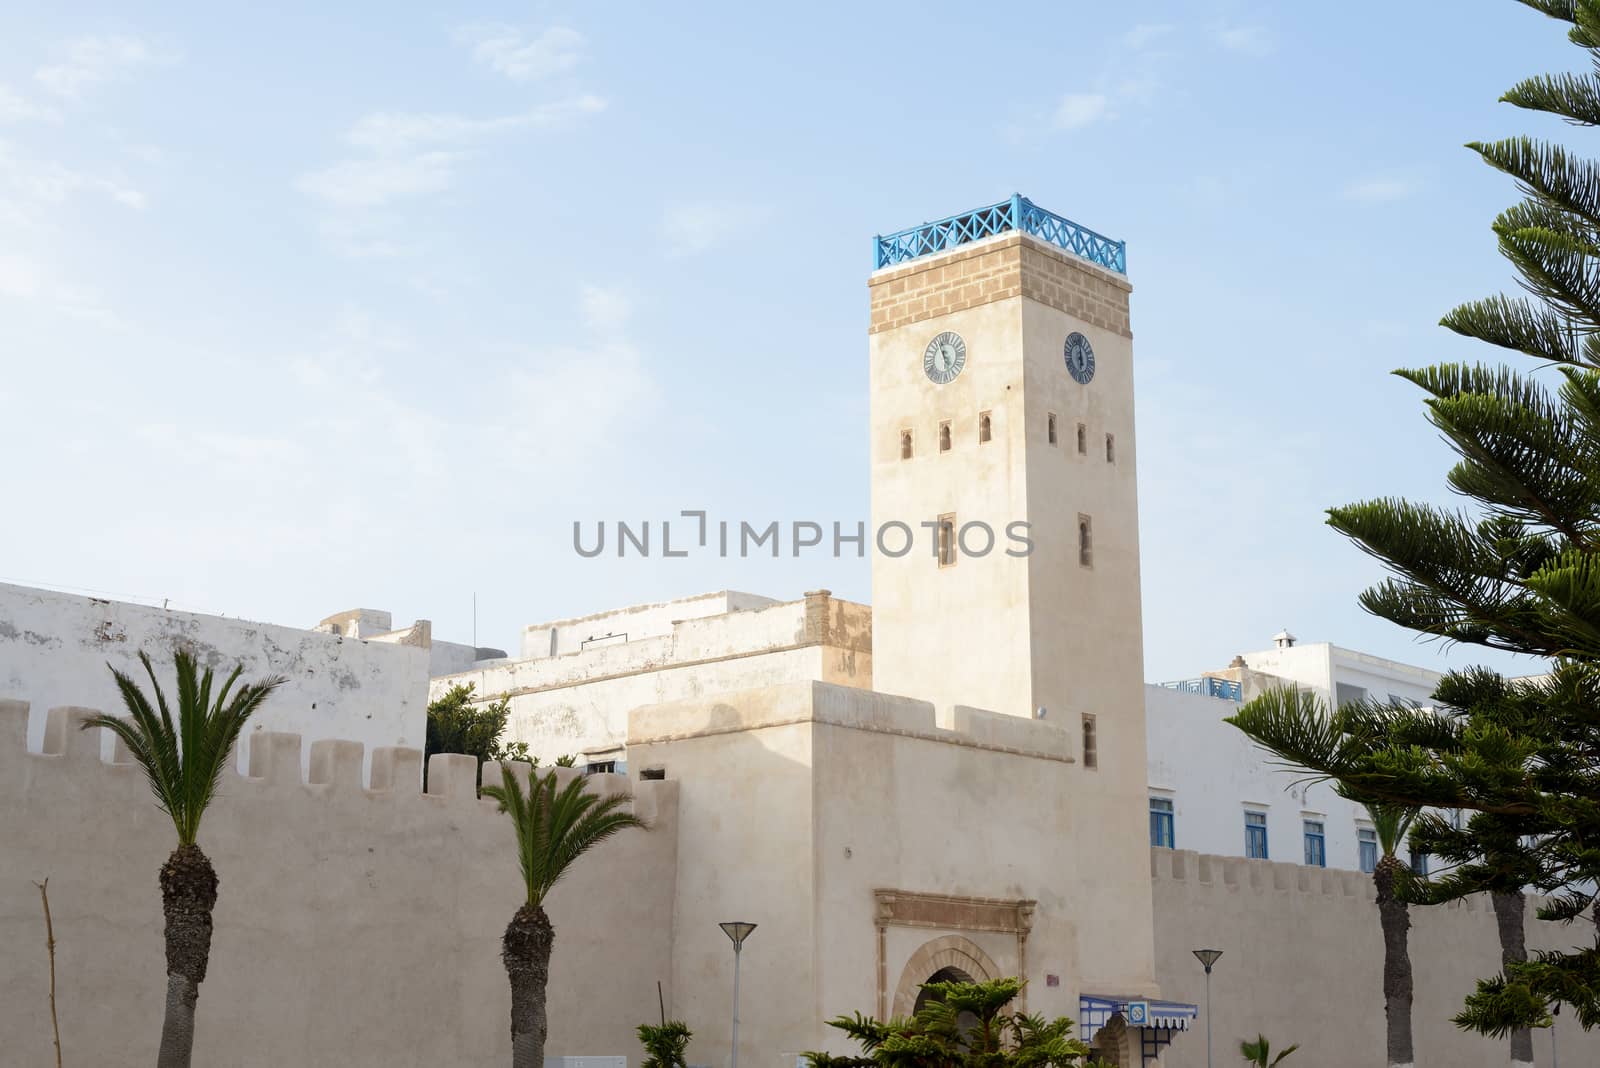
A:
(830, 704)
(276, 759)
(1240, 874)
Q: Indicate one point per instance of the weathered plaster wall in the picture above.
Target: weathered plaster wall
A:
(578, 703)
(354, 927)
(54, 648)
(841, 792)
(560, 637)
(1303, 962)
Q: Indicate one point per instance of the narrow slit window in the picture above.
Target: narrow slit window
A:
(1085, 541)
(944, 437)
(1083, 439)
(985, 428)
(947, 539)
(1091, 743)
(1051, 428)
(1111, 448)
(905, 444)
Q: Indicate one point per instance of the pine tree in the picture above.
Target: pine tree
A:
(1517, 569)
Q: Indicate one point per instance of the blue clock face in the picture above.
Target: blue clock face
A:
(945, 357)
(1080, 357)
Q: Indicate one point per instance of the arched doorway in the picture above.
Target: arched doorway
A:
(949, 958)
(943, 975)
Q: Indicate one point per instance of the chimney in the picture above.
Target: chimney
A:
(1283, 639)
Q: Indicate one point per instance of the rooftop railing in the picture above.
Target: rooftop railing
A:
(1227, 689)
(1019, 214)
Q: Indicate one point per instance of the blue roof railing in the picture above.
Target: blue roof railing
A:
(1208, 686)
(1019, 214)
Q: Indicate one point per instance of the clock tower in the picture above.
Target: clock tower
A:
(1003, 439)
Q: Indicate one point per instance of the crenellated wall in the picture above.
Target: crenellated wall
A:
(357, 924)
(54, 648)
(1303, 962)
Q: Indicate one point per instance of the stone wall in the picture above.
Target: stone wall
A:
(54, 648)
(355, 926)
(1303, 962)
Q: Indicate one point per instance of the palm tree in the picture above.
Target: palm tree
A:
(1391, 822)
(1295, 727)
(183, 762)
(553, 828)
(1259, 1053)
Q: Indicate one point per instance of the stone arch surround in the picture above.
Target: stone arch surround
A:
(950, 951)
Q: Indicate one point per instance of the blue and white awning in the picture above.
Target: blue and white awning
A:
(1096, 1010)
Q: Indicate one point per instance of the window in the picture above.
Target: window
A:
(944, 437)
(983, 428)
(1255, 835)
(1367, 849)
(1316, 845)
(1051, 425)
(1091, 743)
(947, 539)
(1111, 448)
(1083, 440)
(1161, 822)
(1344, 693)
(1085, 542)
(1419, 863)
(601, 767)
(905, 444)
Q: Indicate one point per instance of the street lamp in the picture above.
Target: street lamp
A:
(737, 931)
(1208, 957)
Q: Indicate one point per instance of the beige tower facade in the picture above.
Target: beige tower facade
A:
(1022, 433)
(1035, 426)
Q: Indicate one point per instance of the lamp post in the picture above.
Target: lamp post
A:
(737, 931)
(1208, 957)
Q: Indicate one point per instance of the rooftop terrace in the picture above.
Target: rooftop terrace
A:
(1019, 214)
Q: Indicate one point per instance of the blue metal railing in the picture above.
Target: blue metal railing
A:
(1018, 213)
(1226, 689)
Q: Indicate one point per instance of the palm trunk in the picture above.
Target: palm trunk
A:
(526, 950)
(1508, 917)
(188, 894)
(1396, 923)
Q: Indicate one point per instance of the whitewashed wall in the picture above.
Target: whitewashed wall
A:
(1211, 772)
(54, 648)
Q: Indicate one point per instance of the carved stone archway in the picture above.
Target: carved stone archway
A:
(907, 908)
(951, 951)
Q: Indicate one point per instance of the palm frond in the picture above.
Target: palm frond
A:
(183, 760)
(555, 827)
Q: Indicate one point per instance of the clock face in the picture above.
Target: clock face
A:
(946, 356)
(1080, 357)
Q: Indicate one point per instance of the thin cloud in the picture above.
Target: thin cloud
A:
(523, 56)
(1147, 33)
(1249, 40)
(417, 154)
(1379, 190)
(368, 183)
(1081, 109)
(692, 228)
(15, 108)
(402, 132)
(87, 62)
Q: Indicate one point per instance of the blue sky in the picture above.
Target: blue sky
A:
(303, 311)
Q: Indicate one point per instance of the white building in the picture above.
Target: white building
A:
(1213, 790)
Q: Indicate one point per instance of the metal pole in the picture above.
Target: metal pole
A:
(1555, 1056)
(1208, 1017)
(734, 1062)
